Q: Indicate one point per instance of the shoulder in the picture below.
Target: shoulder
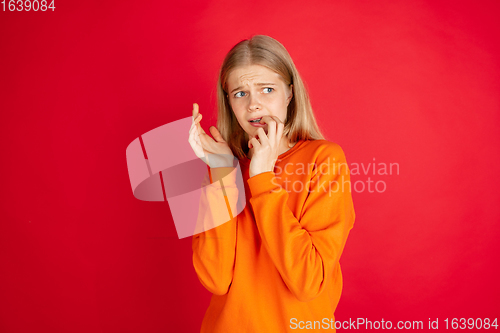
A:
(324, 150)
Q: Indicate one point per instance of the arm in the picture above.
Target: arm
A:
(215, 242)
(306, 251)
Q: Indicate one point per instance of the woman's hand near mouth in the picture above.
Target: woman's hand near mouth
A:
(216, 153)
(265, 146)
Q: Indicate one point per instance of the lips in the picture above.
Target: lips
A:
(255, 120)
(258, 124)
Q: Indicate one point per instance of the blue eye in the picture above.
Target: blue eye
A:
(271, 89)
(236, 95)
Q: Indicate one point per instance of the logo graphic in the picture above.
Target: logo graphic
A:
(162, 166)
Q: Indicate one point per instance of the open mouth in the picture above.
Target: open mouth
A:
(255, 120)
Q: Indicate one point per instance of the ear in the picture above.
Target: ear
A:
(290, 96)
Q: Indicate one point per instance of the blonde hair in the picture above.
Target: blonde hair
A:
(266, 51)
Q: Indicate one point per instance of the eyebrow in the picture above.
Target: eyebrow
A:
(257, 84)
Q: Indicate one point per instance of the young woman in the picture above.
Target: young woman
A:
(275, 266)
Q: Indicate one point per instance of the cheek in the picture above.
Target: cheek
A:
(238, 113)
(280, 99)
(279, 107)
(237, 106)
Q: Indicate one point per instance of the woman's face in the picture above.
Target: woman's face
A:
(255, 91)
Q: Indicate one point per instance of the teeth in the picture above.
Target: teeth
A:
(255, 121)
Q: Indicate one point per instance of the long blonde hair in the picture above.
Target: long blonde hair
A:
(268, 52)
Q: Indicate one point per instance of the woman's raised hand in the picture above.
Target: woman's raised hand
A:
(216, 153)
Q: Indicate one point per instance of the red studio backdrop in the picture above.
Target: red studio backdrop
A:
(409, 90)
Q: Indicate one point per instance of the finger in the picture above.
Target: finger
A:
(200, 129)
(263, 139)
(271, 122)
(280, 125)
(192, 128)
(279, 132)
(198, 125)
(216, 134)
(254, 143)
(193, 132)
(196, 110)
(277, 120)
(194, 124)
(198, 136)
(192, 139)
(207, 142)
(269, 118)
(197, 148)
(198, 118)
(271, 127)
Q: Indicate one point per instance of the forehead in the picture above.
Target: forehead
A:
(251, 74)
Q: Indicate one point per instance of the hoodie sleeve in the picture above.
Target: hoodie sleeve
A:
(214, 242)
(306, 250)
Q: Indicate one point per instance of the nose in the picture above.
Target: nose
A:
(254, 103)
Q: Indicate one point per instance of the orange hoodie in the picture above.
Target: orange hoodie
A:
(275, 266)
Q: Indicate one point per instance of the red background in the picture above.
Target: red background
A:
(414, 83)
